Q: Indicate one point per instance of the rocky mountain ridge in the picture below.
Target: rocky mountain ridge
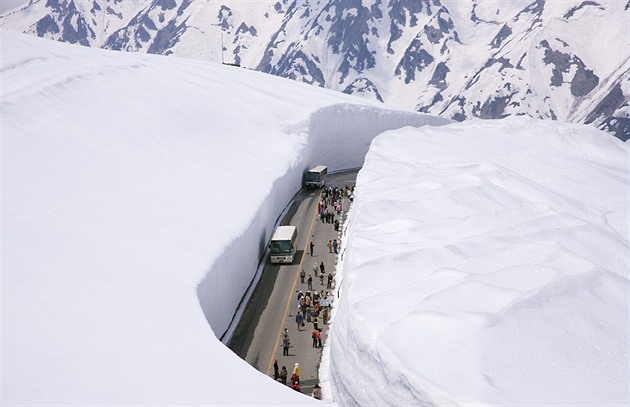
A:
(565, 61)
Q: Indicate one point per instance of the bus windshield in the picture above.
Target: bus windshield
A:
(312, 177)
(281, 246)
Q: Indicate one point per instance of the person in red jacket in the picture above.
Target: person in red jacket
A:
(296, 387)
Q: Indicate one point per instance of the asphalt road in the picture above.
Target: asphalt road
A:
(272, 306)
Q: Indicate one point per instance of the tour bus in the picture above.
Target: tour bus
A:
(316, 177)
(282, 245)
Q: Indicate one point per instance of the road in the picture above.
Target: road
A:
(273, 304)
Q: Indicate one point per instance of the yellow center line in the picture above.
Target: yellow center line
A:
(286, 308)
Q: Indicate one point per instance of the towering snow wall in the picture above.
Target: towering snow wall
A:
(338, 136)
(486, 263)
(134, 188)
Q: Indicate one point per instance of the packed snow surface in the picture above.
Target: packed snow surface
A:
(486, 263)
(138, 194)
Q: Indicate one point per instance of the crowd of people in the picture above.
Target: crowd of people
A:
(314, 305)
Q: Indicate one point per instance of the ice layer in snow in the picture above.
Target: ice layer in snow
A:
(486, 263)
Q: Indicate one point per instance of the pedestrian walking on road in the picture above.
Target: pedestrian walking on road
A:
(321, 279)
(309, 282)
(286, 343)
(302, 275)
(283, 375)
(315, 322)
(329, 244)
(312, 246)
(320, 338)
(322, 268)
(314, 335)
(315, 268)
(336, 225)
(299, 319)
(296, 371)
(276, 370)
(335, 246)
(330, 280)
(296, 387)
(325, 316)
(317, 392)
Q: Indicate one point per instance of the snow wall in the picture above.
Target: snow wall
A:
(338, 136)
(489, 268)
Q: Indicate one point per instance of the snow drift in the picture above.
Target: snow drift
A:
(486, 263)
(138, 192)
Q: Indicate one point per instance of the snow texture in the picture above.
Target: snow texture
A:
(138, 194)
(486, 263)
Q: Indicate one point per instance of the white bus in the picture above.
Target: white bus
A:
(282, 245)
(316, 177)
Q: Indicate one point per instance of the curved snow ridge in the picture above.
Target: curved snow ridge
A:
(485, 268)
(338, 136)
(130, 198)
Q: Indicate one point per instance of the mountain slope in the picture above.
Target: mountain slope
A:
(544, 59)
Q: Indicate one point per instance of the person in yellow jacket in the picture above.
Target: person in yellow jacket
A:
(296, 369)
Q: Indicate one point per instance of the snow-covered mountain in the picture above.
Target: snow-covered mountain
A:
(479, 269)
(566, 61)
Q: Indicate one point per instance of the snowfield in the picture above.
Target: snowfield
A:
(486, 263)
(138, 194)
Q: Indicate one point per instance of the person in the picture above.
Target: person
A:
(321, 279)
(336, 225)
(320, 338)
(300, 295)
(335, 246)
(315, 268)
(330, 279)
(302, 275)
(286, 343)
(296, 386)
(295, 377)
(283, 375)
(329, 244)
(325, 316)
(315, 322)
(309, 282)
(314, 335)
(276, 371)
(299, 319)
(322, 267)
(317, 392)
(311, 246)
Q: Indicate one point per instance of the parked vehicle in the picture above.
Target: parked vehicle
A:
(282, 245)
(316, 177)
